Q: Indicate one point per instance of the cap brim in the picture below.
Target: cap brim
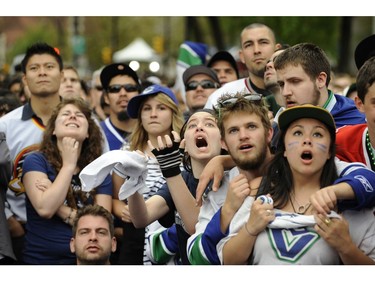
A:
(199, 69)
(292, 114)
(134, 104)
(221, 55)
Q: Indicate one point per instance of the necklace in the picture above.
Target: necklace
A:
(302, 209)
(370, 151)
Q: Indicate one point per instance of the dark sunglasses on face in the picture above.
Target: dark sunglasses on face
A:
(99, 88)
(205, 84)
(257, 98)
(114, 89)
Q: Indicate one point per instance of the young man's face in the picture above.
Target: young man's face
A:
(297, 87)
(71, 85)
(93, 243)
(118, 102)
(197, 96)
(257, 46)
(224, 71)
(43, 75)
(246, 140)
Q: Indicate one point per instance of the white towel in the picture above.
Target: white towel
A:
(290, 220)
(130, 165)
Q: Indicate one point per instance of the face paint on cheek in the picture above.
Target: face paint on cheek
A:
(322, 147)
(292, 144)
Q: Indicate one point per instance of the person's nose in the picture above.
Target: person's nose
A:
(243, 134)
(307, 141)
(93, 236)
(269, 65)
(199, 127)
(285, 90)
(153, 112)
(256, 48)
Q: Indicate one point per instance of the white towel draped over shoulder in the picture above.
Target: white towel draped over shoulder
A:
(130, 165)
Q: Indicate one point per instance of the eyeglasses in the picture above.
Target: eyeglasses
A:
(205, 84)
(98, 88)
(257, 98)
(114, 89)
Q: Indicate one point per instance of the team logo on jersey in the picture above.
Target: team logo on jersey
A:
(366, 184)
(15, 184)
(291, 244)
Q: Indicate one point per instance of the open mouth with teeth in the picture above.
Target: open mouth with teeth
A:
(201, 142)
(72, 125)
(245, 146)
(306, 155)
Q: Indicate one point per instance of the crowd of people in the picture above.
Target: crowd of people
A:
(272, 168)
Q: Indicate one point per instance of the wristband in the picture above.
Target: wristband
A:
(169, 160)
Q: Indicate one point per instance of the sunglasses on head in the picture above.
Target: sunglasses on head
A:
(205, 84)
(114, 89)
(257, 98)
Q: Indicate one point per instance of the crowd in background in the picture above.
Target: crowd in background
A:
(209, 173)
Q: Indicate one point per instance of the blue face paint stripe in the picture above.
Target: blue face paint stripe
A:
(293, 143)
(322, 147)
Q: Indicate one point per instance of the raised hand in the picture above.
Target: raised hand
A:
(168, 154)
(70, 152)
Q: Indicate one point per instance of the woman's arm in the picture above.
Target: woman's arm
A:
(137, 211)
(184, 202)
(169, 158)
(47, 202)
(214, 171)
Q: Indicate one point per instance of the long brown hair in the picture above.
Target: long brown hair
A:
(91, 147)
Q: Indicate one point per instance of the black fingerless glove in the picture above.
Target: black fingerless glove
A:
(169, 160)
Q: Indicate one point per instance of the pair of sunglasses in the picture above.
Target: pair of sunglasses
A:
(205, 84)
(257, 98)
(115, 89)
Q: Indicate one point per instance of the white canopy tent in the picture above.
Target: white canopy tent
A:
(137, 50)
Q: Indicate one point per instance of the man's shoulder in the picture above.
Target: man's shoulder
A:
(349, 130)
(12, 115)
(237, 85)
(344, 102)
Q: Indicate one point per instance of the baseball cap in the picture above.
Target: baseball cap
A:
(364, 50)
(199, 69)
(115, 69)
(225, 56)
(135, 102)
(306, 111)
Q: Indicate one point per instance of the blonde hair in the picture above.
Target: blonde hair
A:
(139, 136)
